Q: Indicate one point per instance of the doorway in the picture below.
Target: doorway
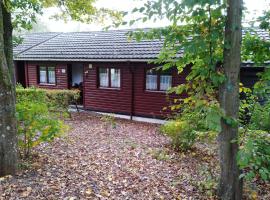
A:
(20, 73)
(75, 78)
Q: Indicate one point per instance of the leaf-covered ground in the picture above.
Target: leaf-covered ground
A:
(98, 159)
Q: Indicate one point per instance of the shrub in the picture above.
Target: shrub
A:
(61, 99)
(254, 152)
(57, 100)
(254, 155)
(37, 114)
(181, 132)
(30, 94)
(109, 120)
(260, 117)
(36, 125)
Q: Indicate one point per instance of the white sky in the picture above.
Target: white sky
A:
(255, 8)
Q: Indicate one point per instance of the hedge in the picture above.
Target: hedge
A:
(58, 99)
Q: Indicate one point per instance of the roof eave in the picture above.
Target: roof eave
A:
(82, 60)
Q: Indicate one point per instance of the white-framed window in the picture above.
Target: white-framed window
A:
(109, 77)
(151, 80)
(47, 75)
(115, 77)
(158, 80)
(165, 82)
(104, 77)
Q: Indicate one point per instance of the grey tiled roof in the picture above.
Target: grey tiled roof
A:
(31, 40)
(91, 46)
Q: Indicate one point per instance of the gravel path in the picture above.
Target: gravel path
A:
(100, 160)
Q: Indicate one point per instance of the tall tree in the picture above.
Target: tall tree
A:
(230, 185)
(8, 139)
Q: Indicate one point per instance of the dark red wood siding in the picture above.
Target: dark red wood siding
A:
(151, 103)
(107, 100)
(60, 73)
(146, 103)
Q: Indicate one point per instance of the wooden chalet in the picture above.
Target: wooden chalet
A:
(112, 72)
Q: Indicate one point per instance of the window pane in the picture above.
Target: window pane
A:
(42, 75)
(103, 77)
(115, 78)
(165, 82)
(51, 74)
(151, 80)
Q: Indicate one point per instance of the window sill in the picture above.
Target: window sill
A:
(109, 88)
(47, 84)
(156, 91)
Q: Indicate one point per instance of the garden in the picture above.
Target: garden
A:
(88, 156)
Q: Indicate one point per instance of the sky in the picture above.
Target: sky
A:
(254, 7)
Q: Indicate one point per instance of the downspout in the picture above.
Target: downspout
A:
(131, 69)
(26, 74)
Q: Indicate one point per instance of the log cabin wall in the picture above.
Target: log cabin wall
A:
(123, 100)
(60, 74)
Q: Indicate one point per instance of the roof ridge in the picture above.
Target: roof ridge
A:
(38, 43)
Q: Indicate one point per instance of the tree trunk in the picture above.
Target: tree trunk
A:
(230, 186)
(8, 131)
(8, 42)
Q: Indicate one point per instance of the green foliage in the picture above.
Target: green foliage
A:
(195, 32)
(160, 154)
(61, 99)
(262, 87)
(255, 48)
(33, 94)
(260, 117)
(254, 155)
(38, 115)
(182, 134)
(209, 181)
(109, 120)
(56, 100)
(36, 124)
(265, 20)
(25, 12)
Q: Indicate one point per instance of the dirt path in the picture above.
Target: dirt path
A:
(97, 160)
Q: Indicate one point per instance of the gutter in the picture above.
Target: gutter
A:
(82, 60)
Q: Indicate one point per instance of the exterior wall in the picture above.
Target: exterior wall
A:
(103, 99)
(137, 102)
(151, 103)
(60, 73)
(145, 103)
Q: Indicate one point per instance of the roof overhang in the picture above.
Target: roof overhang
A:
(82, 60)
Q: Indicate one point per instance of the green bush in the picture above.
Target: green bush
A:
(254, 152)
(181, 132)
(260, 117)
(254, 155)
(57, 100)
(31, 94)
(36, 125)
(61, 99)
(37, 114)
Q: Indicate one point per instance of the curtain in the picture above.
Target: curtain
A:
(115, 78)
(51, 75)
(42, 75)
(151, 82)
(165, 82)
(103, 77)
